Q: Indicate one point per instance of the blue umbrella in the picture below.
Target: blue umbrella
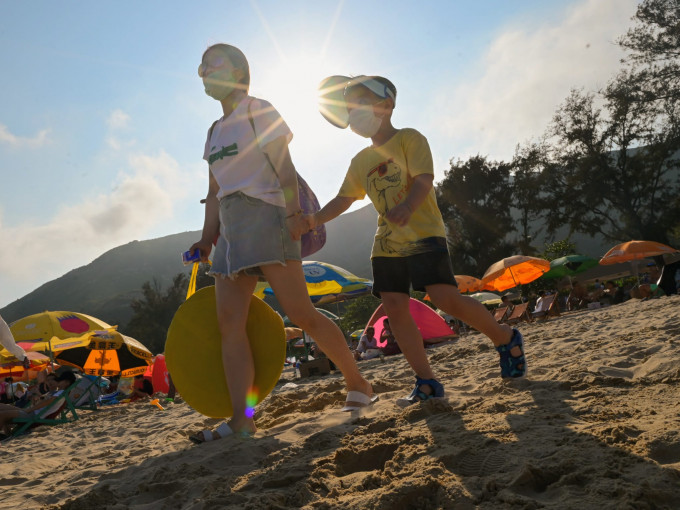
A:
(327, 283)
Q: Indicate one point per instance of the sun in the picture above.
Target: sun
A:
(291, 85)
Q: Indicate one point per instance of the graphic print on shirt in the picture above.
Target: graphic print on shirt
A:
(229, 150)
(385, 179)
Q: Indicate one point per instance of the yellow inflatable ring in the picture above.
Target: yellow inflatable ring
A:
(193, 352)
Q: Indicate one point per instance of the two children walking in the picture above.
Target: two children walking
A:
(253, 207)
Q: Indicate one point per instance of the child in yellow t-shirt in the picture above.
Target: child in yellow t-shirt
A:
(410, 249)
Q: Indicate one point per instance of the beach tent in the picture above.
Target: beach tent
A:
(432, 327)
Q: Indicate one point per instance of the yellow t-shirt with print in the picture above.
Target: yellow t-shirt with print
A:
(386, 174)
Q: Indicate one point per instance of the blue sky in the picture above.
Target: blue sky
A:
(103, 117)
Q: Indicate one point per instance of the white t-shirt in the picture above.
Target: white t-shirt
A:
(235, 158)
(541, 304)
(7, 341)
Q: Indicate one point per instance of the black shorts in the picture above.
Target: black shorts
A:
(398, 274)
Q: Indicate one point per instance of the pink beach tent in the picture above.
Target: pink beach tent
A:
(432, 327)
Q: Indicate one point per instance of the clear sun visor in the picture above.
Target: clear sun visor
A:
(332, 91)
(332, 103)
(378, 88)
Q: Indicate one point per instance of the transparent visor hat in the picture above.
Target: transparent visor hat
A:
(332, 103)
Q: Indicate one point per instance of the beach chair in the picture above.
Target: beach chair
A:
(62, 410)
(519, 313)
(552, 310)
(86, 392)
(500, 313)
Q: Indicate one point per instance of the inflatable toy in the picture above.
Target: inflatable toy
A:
(193, 353)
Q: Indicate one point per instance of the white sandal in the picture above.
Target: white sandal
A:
(357, 400)
(223, 430)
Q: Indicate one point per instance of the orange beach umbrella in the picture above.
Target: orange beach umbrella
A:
(513, 271)
(468, 283)
(635, 250)
(108, 353)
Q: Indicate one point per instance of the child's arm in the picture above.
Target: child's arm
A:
(331, 210)
(400, 214)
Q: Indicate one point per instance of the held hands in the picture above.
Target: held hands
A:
(400, 214)
(297, 225)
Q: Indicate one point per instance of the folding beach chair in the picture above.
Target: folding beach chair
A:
(50, 415)
(500, 313)
(86, 392)
(552, 310)
(519, 313)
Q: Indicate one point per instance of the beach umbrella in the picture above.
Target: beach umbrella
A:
(486, 298)
(107, 353)
(38, 331)
(569, 265)
(10, 366)
(356, 334)
(635, 250)
(287, 322)
(513, 271)
(327, 283)
(468, 283)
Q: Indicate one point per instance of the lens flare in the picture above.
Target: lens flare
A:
(251, 400)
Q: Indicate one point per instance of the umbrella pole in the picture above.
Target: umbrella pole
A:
(49, 346)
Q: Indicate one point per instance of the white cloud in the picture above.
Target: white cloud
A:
(144, 196)
(7, 137)
(527, 73)
(118, 119)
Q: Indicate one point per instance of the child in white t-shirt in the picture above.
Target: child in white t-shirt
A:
(253, 205)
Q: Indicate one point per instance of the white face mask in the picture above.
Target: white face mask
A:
(364, 122)
(219, 84)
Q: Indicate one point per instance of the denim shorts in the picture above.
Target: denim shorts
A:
(253, 233)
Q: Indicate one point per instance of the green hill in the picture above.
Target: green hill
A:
(105, 287)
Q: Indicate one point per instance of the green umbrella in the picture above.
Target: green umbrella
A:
(570, 265)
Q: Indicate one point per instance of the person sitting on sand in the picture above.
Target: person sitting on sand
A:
(9, 412)
(613, 294)
(578, 297)
(142, 388)
(390, 346)
(368, 345)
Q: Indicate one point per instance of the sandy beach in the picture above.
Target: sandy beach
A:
(596, 424)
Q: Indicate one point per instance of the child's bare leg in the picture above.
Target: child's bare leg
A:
(449, 299)
(288, 283)
(396, 306)
(233, 302)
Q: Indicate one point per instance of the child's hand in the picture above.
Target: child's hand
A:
(297, 225)
(204, 247)
(311, 221)
(399, 215)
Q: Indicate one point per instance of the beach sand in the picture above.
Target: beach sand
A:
(596, 424)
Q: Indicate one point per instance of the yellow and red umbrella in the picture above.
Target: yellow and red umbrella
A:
(513, 271)
(635, 250)
(107, 353)
(37, 331)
